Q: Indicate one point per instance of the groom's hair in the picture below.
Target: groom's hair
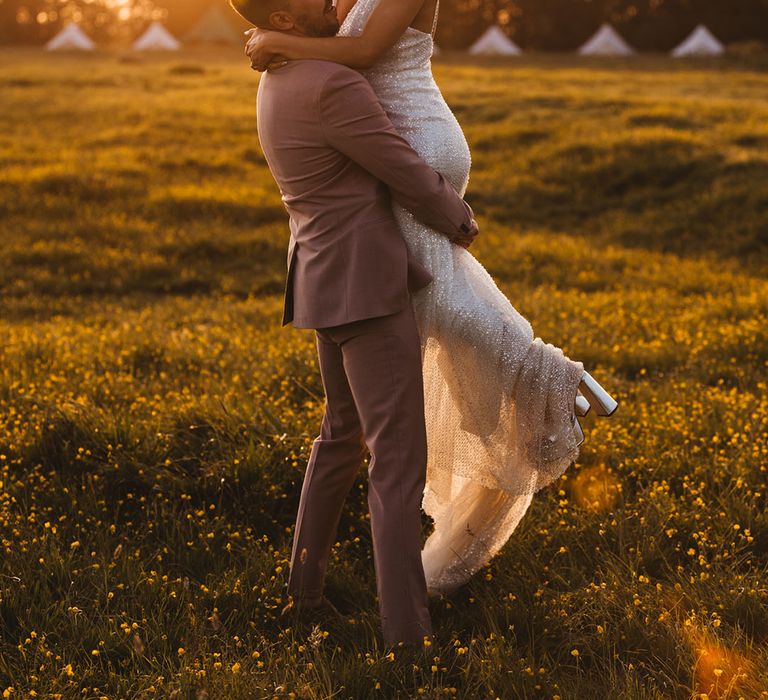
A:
(258, 11)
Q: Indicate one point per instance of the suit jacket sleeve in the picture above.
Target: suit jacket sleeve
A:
(355, 123)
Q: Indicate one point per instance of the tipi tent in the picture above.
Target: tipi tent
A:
(494, 43)
(606, 42)
(156, 38)
(701, 42)
(71, 37)
(214, 28)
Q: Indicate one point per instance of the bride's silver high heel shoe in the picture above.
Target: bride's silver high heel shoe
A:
(603, 403)
(582, 406)
(579, 431)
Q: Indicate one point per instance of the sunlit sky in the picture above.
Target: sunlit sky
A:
(126, 9)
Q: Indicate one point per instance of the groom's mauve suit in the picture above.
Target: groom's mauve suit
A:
(336, 157)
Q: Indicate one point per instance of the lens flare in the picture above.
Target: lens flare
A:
(595, 488)
(718, 672)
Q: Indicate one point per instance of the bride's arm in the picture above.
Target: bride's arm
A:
(384, 27)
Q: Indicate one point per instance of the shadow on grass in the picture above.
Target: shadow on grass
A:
(664, 195)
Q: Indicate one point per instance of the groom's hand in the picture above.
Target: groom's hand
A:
(465, 240)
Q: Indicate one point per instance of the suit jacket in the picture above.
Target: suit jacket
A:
(337, 159)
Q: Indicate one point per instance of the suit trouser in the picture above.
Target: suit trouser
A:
(371, 371)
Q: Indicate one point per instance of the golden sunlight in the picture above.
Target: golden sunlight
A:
(718, 671)
(123, 9)
(595, 488)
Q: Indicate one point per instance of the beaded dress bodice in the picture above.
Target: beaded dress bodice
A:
(402, 80)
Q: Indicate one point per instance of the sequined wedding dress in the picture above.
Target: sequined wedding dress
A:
(499, 403)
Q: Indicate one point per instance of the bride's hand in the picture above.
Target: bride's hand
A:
(260, 49)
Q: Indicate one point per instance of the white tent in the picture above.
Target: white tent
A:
(214, 27)
(494, 43)
(156, 38)
(701, 42)
(606, 42)
(71, 37)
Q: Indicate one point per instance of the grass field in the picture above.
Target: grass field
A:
(155, 420)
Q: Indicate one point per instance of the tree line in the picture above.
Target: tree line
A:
(563, 25)
(547, 25)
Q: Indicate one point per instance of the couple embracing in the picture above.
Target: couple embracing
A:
(424, 362)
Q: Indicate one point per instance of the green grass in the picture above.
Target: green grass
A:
(155, 420)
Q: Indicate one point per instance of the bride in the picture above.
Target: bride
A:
(501, 405)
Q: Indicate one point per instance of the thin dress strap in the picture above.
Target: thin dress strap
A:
(434, 21)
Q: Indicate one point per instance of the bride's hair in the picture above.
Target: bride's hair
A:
(258, 11)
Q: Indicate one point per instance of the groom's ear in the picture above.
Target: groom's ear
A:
(281, 20)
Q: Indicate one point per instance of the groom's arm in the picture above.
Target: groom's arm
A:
(355, 123)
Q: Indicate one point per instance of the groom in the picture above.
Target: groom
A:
(338, 159)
